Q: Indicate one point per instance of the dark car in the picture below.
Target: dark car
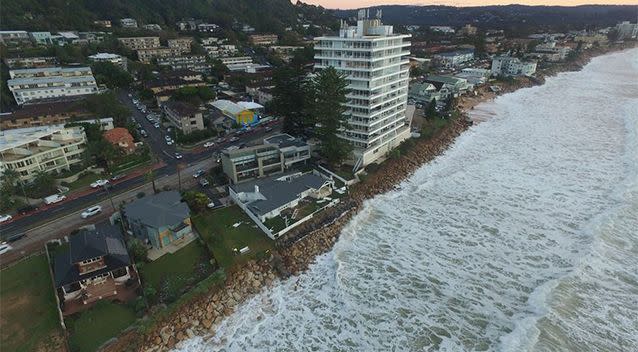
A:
(27, 209)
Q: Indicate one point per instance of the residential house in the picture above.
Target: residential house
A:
(474, 76)
(208, 27)
(468, 30)
(241, 114)
(442, 29)
(95, 266)
(159, 220)
(103, 23)
(278, 154)
(121, 138)
(189, 24)
(152, 27)
(627, 30)
(185, 117)
(128, 23)
(41, 38)
(455, 85)
(267, 198)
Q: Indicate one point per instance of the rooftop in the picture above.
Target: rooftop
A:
(104, 241)
(158, 210)
(182, 108)
(278, 190)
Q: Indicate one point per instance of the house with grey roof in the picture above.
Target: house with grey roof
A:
(95, 266)
(266, 198)
(159, 220)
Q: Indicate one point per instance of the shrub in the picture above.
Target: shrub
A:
(141, 195)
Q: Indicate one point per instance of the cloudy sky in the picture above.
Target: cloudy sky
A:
(350, 4)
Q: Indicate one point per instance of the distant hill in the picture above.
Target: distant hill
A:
(510, 17)
(264, 15)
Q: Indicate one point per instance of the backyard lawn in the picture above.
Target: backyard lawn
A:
(216, 228)
(91, 328)
(29, 316)
(182, 266)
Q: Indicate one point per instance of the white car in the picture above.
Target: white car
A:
(156, 125)
(91, 211)
(5, 218)
(208, 144)
(178, 156)
(169, 142)
(99, 183)
(4, 247)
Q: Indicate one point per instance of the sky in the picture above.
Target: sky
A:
(353, 4)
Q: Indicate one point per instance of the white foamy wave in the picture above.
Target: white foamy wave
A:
(521, 237)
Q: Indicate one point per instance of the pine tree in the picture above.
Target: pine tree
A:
(289, 98)
(328, 96)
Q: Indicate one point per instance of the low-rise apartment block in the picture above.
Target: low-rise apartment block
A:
(47, 114)
(30, 62)
(147, 55)
(50, 83)
(14, 37)
(115, 59)
(278, 154)
(193, 62)
(138, 43)
(185, 117)
(208, 27)
(512, 66)
(49, 149)
(263, 39)
(454, 58)
(181, 44)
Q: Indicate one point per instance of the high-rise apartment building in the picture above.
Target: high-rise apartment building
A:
(375, 62)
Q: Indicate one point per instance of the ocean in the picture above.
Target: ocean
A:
(522, 236)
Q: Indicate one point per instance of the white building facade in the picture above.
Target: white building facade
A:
(35, 84)
(48, 149)
(512, 66)
(375, 62)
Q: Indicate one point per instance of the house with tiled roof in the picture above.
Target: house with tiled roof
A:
(121, 138)
(94, 266)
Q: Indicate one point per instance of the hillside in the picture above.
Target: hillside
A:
(264, 15)
(511, 17)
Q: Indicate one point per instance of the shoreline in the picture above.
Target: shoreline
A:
(202, 315)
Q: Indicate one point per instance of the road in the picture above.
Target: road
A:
(57, 220)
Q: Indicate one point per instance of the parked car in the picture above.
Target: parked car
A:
(178, 156)
(268, 129)
(16, 237)
(234, 139)
(208, 144)
(99, 183)
(5, 247)
(54, 199)
(117, 177)
(198, 173)
(156, 125)
(169, 142)
(203, 182)
(143, 133)
(5, 218)
(94, 210)
(27, 209)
